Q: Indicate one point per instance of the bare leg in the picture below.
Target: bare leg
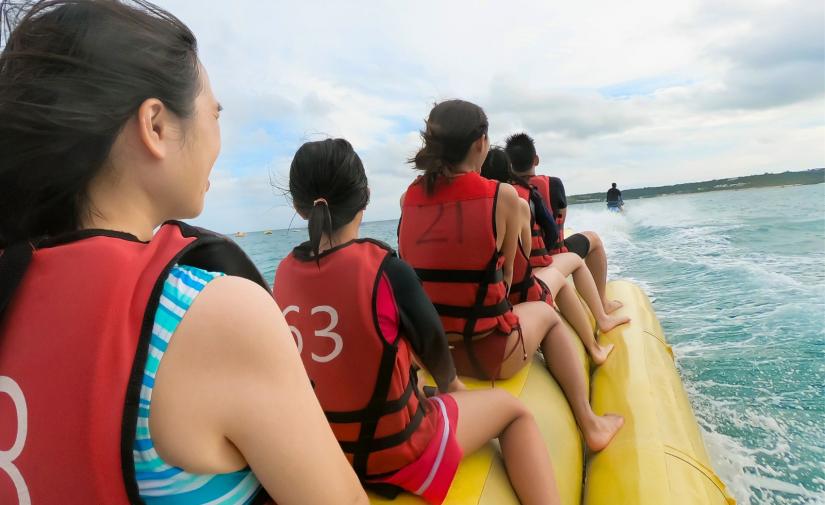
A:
(568, 263)
(572, 310)
(541, 326)
(596, 261)
(491, 413)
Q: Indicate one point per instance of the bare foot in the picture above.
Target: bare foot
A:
(599, 354)
(612, 305)
(610, 322)
(604, 428)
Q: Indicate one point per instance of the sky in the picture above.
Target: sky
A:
(642, 93)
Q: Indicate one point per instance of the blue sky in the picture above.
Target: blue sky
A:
(639, 92)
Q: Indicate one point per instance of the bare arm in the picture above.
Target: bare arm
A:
(526, 236)
(232, 391)
(508, 225)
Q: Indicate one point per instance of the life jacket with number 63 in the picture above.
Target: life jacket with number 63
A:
(363, 378)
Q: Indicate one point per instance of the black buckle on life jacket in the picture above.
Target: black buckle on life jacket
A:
(539, 252)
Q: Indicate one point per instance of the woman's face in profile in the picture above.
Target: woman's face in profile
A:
(200, 148)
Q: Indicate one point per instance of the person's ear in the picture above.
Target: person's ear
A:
(536, 160)
(153, 126)
(478, 145)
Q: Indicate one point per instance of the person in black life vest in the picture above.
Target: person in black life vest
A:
(359, 316)
(614, 198)
(108, 394)
(460, 233)
(587, 245)
(533, 284)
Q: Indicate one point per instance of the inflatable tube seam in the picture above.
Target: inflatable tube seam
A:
(707, 472)
(661, 341)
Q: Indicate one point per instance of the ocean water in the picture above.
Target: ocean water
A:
(737, 279)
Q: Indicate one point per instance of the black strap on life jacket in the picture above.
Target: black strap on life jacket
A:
(377, 408)
(491, 274)
(522, 287)
(14, 262)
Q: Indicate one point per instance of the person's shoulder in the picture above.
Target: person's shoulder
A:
(236, 306)
(508, 192)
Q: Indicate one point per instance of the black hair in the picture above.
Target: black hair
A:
(450, 131)
(497, 166)
(328, 184)
(522, 151)
(72, 73)
(614, 184)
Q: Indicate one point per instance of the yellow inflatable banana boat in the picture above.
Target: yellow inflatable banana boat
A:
(658, 458)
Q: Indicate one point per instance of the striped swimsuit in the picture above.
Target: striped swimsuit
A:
(158, 482)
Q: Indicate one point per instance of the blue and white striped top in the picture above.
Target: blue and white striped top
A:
(158, 482)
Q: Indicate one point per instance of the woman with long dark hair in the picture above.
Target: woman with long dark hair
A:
(145, 359)
(546, 284)
(460, 232)
(359, 315)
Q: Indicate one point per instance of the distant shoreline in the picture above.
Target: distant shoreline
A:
(800, 178)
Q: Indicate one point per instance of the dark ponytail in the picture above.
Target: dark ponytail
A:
(72, 73)
(319, 223)
(450, 131)
(328, 184)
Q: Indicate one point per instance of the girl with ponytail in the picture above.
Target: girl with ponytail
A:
(360, 320)
(146, 359)
(460, 232)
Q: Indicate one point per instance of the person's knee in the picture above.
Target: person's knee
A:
(594, 239)
(556, 276)
(510, 403)
(552, 317)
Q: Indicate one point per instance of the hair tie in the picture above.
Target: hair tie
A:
(320, 200)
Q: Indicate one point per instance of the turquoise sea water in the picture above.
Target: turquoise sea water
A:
(737, 279)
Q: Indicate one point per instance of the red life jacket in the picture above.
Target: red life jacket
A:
(449, 237)
(74, 338)
(539, 255)
(526, 287)
(542, 183)
(363, 378)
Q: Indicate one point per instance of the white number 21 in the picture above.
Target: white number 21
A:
(326, 332)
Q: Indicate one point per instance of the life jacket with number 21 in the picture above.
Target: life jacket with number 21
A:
(449, 237)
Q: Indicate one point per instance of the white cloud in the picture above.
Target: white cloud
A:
(642, 92)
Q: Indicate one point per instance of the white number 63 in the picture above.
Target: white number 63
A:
(326, 332)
